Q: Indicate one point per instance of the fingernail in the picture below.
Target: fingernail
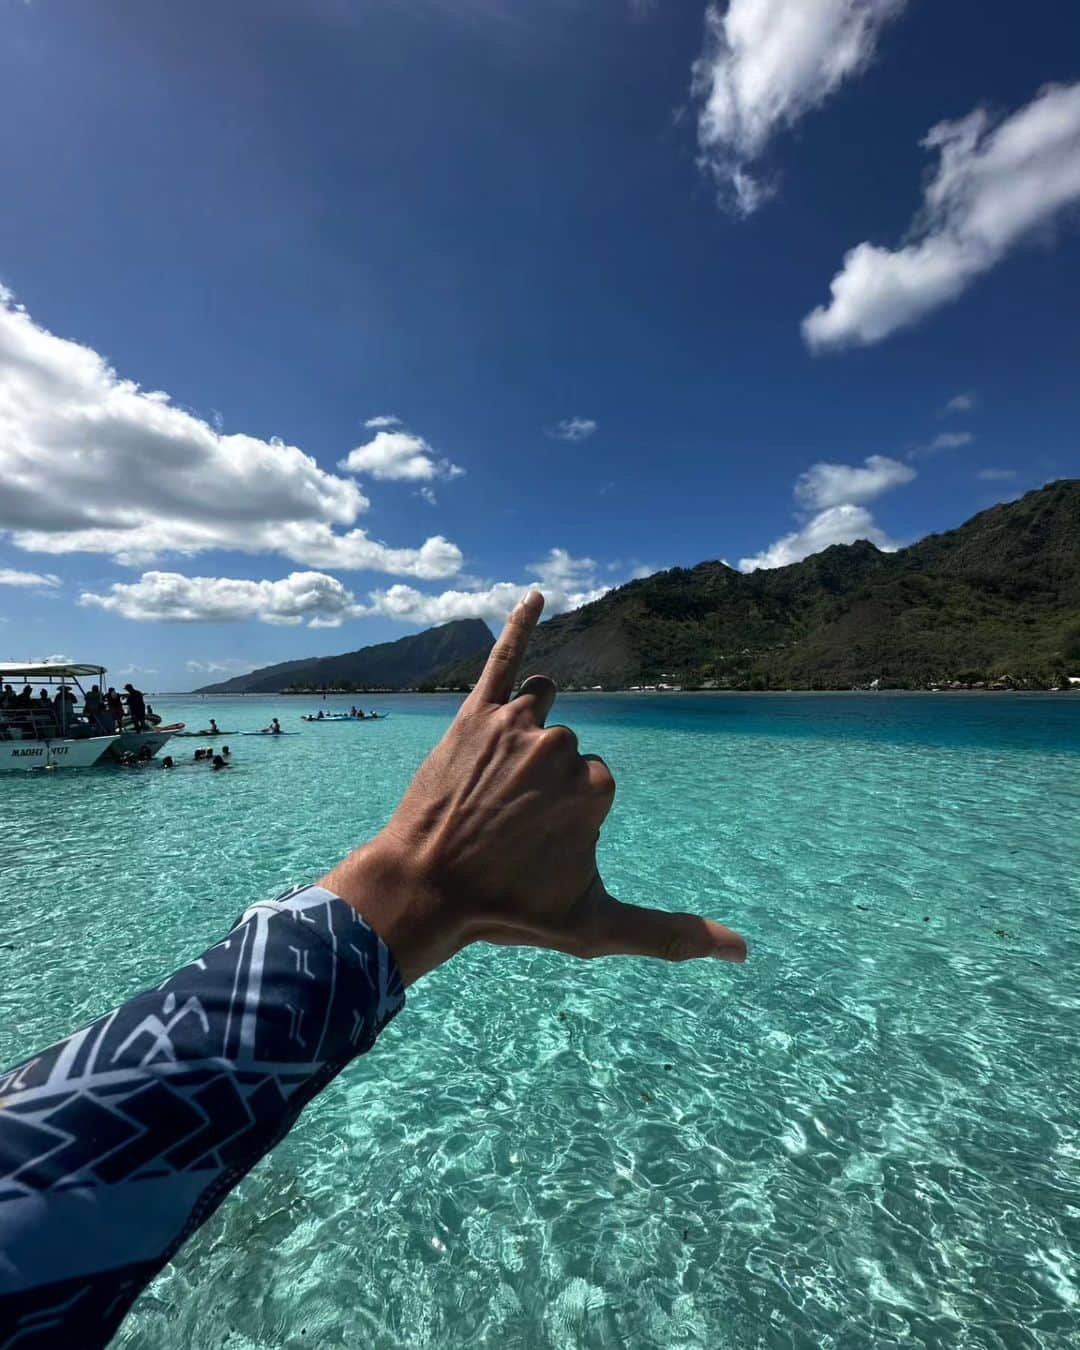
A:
(732, 953)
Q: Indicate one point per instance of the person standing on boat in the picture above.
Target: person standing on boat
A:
(115, 707)
(93, 705)
(136, 707)
(64, 708)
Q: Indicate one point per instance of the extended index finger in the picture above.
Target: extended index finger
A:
(496, 682)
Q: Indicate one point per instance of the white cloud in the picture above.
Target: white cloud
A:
(836, 495)
(574, 429)
(765, 65)
(168, 597)
(398, 456)
(383, 420)
(838, 525)
(323, 602)
(319, 546)
(825, 485)
(960, 403)
(427, 494)
(408, 605)
(228, 665)
(948, 440)
(993, 187)
(10, 577)
(996, 475)
(567, 583)
(90, 462)
(559, 571)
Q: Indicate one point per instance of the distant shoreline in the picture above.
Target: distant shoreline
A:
(647, 693)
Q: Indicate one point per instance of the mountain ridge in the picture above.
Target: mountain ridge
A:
(399, 664)
(996, 598)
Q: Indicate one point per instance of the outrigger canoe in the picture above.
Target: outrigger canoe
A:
(344, 717)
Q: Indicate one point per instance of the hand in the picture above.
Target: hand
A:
(495, 840)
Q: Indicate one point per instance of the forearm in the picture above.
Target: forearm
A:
(117, 1143)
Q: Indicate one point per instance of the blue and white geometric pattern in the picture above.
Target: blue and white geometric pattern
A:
(117, 1143)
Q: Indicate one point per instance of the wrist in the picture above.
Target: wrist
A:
(392, 894)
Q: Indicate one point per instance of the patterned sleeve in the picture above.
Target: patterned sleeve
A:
(117, 1143)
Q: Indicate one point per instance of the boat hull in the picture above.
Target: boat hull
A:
(59, 753)
(132, 742)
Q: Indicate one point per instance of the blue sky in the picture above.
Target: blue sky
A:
(641, 284)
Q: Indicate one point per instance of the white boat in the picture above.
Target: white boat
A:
(41, 734)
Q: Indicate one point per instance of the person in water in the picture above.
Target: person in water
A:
(167, 762)
(225, 751)
(219, 762)
(118, 1142)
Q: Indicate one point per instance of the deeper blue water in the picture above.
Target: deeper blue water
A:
(869, 1135)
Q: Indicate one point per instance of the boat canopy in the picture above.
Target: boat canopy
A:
(46, 670)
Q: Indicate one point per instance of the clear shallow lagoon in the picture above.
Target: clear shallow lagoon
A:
(867, 1135)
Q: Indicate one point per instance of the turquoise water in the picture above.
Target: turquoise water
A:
(867, 1135)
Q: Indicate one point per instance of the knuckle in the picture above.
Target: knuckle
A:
(560, 739)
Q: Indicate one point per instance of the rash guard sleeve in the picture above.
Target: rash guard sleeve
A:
(118, 1142)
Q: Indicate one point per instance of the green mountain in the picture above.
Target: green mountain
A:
(997, 598)
(388, 665)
